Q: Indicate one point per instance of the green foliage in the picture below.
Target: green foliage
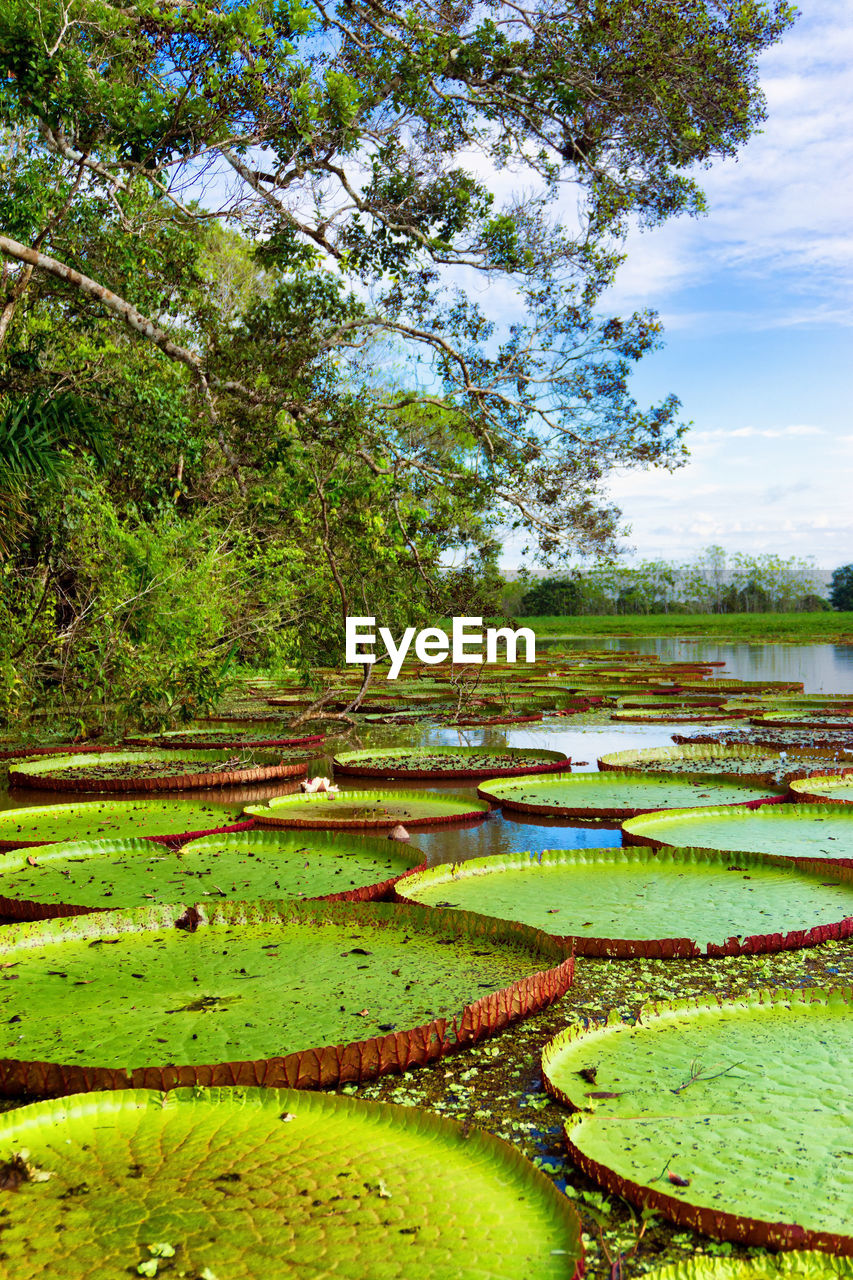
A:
(841, 594)
(213, 446)
(552, 596)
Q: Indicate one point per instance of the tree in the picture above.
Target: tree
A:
(335, 138)
(841, 591)
(552, 597)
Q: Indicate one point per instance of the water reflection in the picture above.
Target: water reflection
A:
(823, 668)
(499, 835)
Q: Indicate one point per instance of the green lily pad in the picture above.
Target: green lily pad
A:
(805, 720)
(304, 994)
(812, 831)
(181, 739)
(156, 770)
(751, 763)
(68, 879)
(448, 762)
(351, 810)
(621, 795)
(629, 902)
(729, 1116)
(676, 715)
(94, 819)
(806, 1264)
(825, 789)
(242, 1183)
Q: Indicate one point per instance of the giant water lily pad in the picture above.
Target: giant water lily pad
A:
(363, 809)
(620, 795)
(448, 762)
(749, 763)
(787, 830)
(677, 715)
(156, 770)
(805, 1264)
(631, 902)
(731, 1117)
(296, 993)
(96, 819)
(825, 789)
(805, 720)
(271, 1182)
(222, 739)
(68, 879)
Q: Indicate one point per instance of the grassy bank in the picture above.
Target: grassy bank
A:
(787, 628)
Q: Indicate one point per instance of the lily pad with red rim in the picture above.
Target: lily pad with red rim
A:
(805, 1264)
(621, 794)
(354, 810)
(304, 994)
(802, 831)
(246, 1183)
(156, 770)
(70, 879)
(749, 763)
(825, 788)
(170, 820)
(222, 739)
(448, 762)
(621, 903)
(727, 1116)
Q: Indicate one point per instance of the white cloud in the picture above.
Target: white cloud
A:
(782, 209)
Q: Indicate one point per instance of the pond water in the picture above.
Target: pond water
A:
(821, 668)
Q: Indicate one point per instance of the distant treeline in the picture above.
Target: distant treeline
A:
(714, 583)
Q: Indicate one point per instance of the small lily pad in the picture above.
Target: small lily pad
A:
(448, 762)
(352, 810)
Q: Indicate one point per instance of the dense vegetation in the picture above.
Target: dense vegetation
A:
(713, 583)
(245, 384)
(841, 592)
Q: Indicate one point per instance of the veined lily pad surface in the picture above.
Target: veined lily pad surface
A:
(620, 795)
(787, 830)
(295, 993)
(805, 720)
(805, 1264)
(180, 739)
(677, 715)
(274, 1183)
(756, 764)
(826, 789)
(155, 770)
(731, 1117)
(362, 809)
(448, 762)
(66, 879)
(97, 819)
(631, 902)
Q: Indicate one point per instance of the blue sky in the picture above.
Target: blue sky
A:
(757, 306)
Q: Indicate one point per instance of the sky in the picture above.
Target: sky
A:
(757, 307)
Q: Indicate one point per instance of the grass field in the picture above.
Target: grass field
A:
(785, 628)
